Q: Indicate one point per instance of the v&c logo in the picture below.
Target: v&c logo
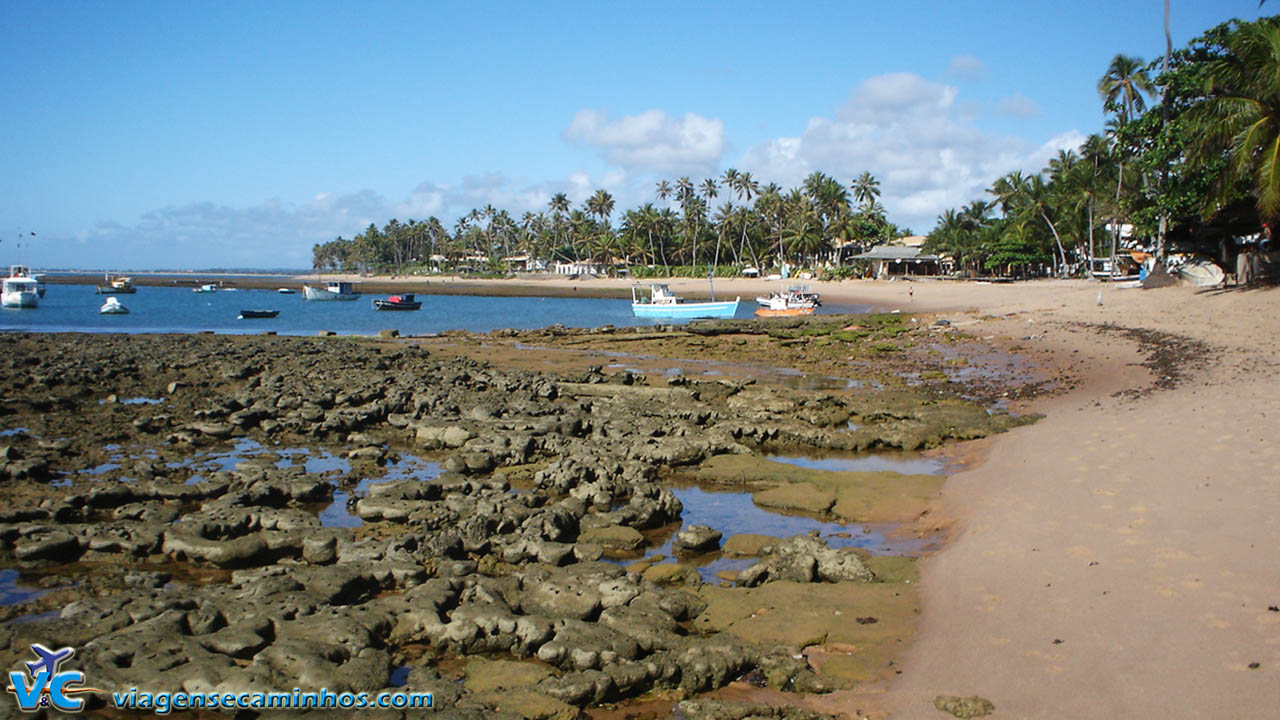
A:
(44, 686)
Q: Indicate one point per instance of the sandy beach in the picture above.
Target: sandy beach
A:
(1116, 559)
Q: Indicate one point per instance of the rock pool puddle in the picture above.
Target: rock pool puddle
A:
(904, 463)
(319, 462)
(734, 512)
(245, 453)
(13, 593)
(408, 467)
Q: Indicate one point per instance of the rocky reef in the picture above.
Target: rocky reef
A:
(497, 583)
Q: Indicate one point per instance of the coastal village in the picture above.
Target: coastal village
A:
(797, 462)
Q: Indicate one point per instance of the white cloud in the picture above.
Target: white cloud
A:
(274, 234)
(966, 67)
(652, 141)
(1018, 105)
(911, 134)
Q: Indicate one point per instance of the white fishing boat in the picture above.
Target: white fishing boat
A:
(332, 290)
(785, 305)
(118, 285)
(113, 307)
(20, 289)
(662, 303)
(792, 296)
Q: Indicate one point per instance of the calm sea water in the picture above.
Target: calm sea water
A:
(74, 308)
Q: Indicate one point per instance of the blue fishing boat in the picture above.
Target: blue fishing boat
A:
(662, 303)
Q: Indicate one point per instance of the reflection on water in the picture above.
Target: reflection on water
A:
(409, 467)
(734, 512)
(905, 463)
(11, 593)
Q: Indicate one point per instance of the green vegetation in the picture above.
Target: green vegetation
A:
(1208, 143)
(814, 225)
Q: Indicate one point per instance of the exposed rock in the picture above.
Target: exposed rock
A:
(697, 538)
(805, 558)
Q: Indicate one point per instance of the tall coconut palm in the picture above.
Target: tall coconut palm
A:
(1122, 89)
(1240, 117)
(1123, 86)
(663, 190)
(744, 186)
(601, 205)
(866, 189)
(559, 205)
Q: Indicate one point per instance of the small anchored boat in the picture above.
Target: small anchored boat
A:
(20, 289)
(795, 294)
(286, 291)
(783, 305)
(118, 285)
(258, 314)
(662, 303)
(332, 290)
(113, 307)
(397, 302)
(207, 288)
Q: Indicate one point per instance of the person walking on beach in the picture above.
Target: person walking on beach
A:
(1244, 266)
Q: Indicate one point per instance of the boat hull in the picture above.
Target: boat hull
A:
(258, 314)
(21, 299)
(319, 293)
(788, 312)
(109, 290)
(686, 310)
(384, 305)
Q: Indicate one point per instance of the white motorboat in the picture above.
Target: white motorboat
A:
(113, 307)
(791, 296)
(785, 305)
(20, 289)
(332, 290)
(206, 288)
(662, 303)
(286, 291)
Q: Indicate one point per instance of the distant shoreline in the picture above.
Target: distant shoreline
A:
(524, 286)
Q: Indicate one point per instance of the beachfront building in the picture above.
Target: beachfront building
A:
(888, 260)
(524, 263)
(580, 267)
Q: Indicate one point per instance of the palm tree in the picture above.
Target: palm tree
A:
(1122, 89)
(1008, 189)
(1240, 117)
(745, 187)
(663, 190)
(601, 205)
(559, 205)
(1123, 86)
(866, 188)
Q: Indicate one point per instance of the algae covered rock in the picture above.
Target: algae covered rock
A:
(805, 558)
(698, 538)
(964, 707)
(805, 497)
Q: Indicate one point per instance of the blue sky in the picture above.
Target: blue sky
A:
(239, 134)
